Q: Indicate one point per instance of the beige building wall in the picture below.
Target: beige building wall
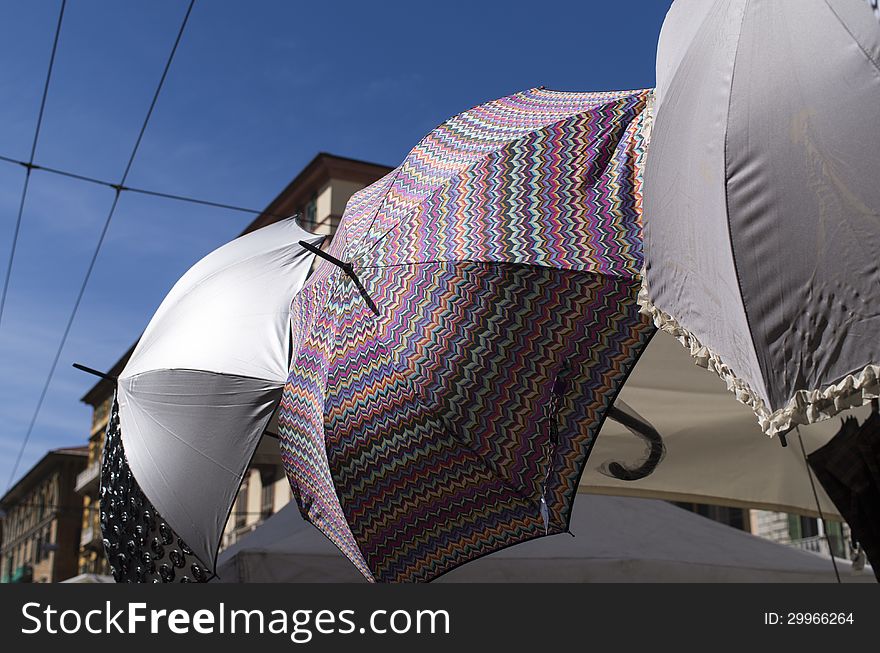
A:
(91, 558)
(328, 206)
(41, 525)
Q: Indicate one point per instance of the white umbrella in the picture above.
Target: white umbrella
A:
(206, 377)
(762, 204)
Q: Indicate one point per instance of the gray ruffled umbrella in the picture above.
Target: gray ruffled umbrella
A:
(762, 201)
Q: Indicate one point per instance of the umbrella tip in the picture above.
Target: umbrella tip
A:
(94, 372)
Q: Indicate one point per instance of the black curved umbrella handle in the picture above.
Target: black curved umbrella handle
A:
(620, 412)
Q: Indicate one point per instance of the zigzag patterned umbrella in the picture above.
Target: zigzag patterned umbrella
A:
(455, 354)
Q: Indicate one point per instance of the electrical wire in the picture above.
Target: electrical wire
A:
(91, 266)
(27, 176)
(140, 191)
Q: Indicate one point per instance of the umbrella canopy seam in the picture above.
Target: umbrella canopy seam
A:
(854, 38)
(453, 261)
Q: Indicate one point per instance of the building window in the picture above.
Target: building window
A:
(805, 530)
(101, 411)
(802, 527)
(309, 218)
(47, 542)
(267, 502)
(241, 505)
(834, 530)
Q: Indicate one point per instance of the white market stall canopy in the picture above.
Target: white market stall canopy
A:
(617, 540)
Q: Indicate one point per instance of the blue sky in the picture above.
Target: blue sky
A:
(255, 91)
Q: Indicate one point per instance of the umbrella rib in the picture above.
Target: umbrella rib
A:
(730, 239)
(348, 268)
(493, 470)
(159, 471)
(455, 261)
(190, 447)
(876, 63)
(519, 492)
(400, 167)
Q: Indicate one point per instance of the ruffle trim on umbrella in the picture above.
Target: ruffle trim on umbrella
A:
(648, 118)
(806, 407)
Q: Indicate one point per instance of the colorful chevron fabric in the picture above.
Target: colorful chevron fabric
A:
(301, 419)
(503, 258)
(571, 212)
(463, 141)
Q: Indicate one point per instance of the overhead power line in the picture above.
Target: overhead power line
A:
(27, 176)
(140, 191)
(91, 266)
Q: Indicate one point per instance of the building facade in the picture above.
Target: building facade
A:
(91, 559)
(318, 195)
(826, 537)
(42, 516)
